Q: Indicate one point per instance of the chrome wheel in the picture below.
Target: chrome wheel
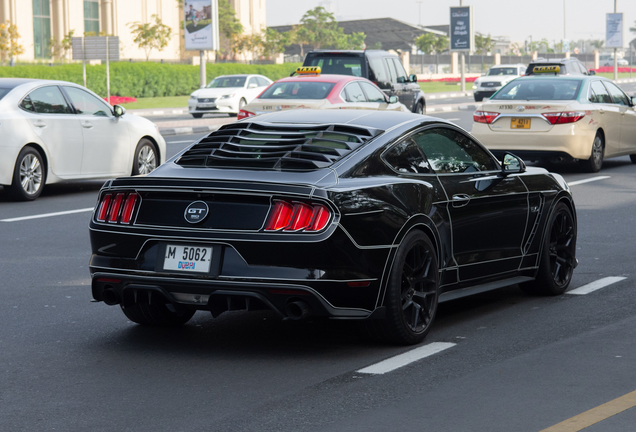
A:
(31, 174)
(146, 157)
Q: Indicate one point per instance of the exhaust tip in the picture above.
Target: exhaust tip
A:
(110, 297)
(297, 309)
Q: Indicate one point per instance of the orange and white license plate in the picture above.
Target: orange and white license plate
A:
(520, 123)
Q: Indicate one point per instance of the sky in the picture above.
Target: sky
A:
(516, 19)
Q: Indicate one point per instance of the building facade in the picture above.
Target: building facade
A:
(39, 21)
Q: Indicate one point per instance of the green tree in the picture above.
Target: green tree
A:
(9, 45)
(58, 50)
(483, 44)
(150, 36)
(598, 43)
(301, 35)
(349, 41)
(273, 42)
(322, 25)
(430, 43)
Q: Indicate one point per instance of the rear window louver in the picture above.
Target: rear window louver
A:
(256, 145)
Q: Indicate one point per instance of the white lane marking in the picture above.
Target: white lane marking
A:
(401, 360)
(452, 119)
(179, 142)
(596, 285)
(588, 180)
(45, 215)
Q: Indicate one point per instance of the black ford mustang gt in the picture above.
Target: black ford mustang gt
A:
(346, 214)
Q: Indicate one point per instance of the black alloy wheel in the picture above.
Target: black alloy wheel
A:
(412, 293)
(420, 108)
(557, 260)
(29, 175)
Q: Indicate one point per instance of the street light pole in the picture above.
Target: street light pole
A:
(462, 63)
(615, 52)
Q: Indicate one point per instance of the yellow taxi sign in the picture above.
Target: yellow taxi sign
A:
(546, 69)
(308, 70)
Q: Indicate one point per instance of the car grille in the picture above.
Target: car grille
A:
(490, 84)
(206, 100)
(256, 145)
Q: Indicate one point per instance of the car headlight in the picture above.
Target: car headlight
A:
(193, 97)
(227, 96)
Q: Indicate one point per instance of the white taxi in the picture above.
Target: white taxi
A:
(559, 118)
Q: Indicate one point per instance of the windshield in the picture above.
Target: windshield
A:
(298, 90)
(226, 82)
(539, 89)
(503, 71)
(4, 91)
(337, 65)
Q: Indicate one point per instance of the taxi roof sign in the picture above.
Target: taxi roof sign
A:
(546, 69)
(308, 70)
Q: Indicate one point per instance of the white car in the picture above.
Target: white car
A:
(226, 94)
(55, 131)
(497, 77)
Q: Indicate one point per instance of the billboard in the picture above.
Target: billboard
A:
(614, 30)
(95, 48)
(201, 25)
(461, 28)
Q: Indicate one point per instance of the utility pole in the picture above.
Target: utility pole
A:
(615, 52)
(462, 62)
(419, 4)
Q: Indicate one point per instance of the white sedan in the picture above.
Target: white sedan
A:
(226, 94)
(55, 131)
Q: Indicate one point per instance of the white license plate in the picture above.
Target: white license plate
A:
(206, 105)
(187, 258)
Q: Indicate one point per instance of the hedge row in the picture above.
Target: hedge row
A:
(144, 79)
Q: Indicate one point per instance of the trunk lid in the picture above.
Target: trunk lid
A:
(523, 116)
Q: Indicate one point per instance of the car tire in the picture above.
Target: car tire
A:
(146, 157)
(197, 115)
(420, 108)
(557, 260)
(412, 292)
(595, 162)
(632, 157)
(242, 103)
(29, 175)
(157, 314)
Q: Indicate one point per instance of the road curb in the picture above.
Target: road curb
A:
(187, 130)
(449, 108)
(448, 95)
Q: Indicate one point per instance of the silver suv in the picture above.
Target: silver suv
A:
(497, 77)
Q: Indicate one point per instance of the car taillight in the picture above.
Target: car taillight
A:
(244, 114)
(117, 208)
(296, 217)
(564, 117)
(485, 116)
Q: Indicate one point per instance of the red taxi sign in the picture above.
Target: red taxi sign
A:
(308, 70)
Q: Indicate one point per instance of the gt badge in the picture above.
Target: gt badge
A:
(196, 212)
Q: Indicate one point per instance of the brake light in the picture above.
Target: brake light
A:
(485, 116)
(297, 217)
(244, 114)
(117, 208)
(564, 117)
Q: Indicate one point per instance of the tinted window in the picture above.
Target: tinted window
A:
(406, 157)
(503, 71)
(378, 70)
(298, 90)
(539, 89)
(354, 93)
(401, 73)
(4, 91)
(617, 94)
(262, 81)
(87, 104)
(598, 93)
(449, 151)
(229, 81)
(27, 104)
(338, 65)
(49, 100)
(374, 94)
(391, 67)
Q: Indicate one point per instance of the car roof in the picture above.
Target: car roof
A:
(507, 65)
(562, 77)
(322, 78)
(10, 83)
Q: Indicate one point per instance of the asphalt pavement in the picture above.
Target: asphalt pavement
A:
(499, 361)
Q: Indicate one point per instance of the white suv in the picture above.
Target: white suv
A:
(497, 77)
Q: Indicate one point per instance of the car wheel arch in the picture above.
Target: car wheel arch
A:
(154, 141)
(561, 198)
(43, 153)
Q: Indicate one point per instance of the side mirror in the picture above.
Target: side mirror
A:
(401, 80)
(592, 72)
(119, 110)
(413, 78)
(252, 85)
(512, 164)
(393, 99)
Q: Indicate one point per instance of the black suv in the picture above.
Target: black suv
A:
(567, 66)
(379, 66)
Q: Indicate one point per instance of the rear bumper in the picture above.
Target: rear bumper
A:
(562, 140)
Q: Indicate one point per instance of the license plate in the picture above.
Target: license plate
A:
(520, 123)
(187, 258)
(206, 105)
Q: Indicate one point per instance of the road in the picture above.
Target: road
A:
(513, 362)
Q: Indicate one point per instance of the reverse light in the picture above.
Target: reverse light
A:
(297, 217)
(563, 117)
(485, 116)
(244, 114)
(117, 208)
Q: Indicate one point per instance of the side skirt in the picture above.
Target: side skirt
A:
(464, 292)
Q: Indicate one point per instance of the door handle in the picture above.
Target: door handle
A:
(460, 200)
(87, 124)
(601, 111)
(39, 123)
